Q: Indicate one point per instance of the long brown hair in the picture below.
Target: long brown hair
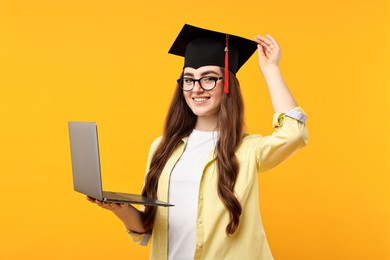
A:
(179, 123)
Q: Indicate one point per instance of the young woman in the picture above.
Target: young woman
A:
(204, 163)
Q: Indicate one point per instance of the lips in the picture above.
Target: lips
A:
(200, 99)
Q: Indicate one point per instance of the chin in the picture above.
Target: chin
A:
(203, 113)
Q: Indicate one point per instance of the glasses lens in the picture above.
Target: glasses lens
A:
(208, 83)
(188, 83)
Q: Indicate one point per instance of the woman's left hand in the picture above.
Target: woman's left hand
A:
(269, 51)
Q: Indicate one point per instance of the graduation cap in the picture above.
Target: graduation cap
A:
(201, 47)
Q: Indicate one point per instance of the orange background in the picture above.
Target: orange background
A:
(107, 61)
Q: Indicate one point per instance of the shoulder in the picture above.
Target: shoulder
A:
(156, 141)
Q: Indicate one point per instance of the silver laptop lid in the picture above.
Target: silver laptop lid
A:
(85, 158)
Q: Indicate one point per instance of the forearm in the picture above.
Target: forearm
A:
(131, 218)
(281, 97)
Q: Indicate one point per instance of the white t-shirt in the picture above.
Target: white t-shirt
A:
(183, 193)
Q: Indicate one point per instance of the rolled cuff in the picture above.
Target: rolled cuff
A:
(296, 113)
(141, 239)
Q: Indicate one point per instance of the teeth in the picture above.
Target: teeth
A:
(200, 99)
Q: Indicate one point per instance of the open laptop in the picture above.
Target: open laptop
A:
(87, 179)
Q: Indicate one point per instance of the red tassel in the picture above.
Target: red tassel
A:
(226, 78)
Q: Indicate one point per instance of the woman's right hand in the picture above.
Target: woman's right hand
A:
(129, 215)
(114, 207)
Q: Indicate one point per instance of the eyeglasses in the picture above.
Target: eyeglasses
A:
(206, 83)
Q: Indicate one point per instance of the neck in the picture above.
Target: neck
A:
(206, 124)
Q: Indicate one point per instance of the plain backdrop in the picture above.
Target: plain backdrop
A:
(107, 61)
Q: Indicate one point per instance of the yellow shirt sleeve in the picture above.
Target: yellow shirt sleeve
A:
(288, 137)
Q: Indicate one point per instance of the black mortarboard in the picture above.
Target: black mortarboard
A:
(201, 47)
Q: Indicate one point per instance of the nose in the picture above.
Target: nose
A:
(197, 87)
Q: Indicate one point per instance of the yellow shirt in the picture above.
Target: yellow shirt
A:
(255, 154)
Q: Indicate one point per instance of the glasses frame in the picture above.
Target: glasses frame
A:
(180, 82)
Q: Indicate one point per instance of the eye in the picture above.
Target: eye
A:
(209, 79)
(188, 80)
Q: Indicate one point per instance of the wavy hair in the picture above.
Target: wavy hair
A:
(180, 122)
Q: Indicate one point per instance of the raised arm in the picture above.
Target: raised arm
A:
(269, 54)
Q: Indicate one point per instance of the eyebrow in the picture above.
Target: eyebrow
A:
(207, 72)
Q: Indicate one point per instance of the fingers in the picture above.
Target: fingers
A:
(90, 199)
(273, 41)
(93, 200)
(268, 50)
(106, 205)
(110, 205)
(264, 46)
(260, 38)
(268, 43)
(268, 39)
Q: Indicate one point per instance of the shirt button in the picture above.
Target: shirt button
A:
(201, 196)
(200, 221)
(200, 245)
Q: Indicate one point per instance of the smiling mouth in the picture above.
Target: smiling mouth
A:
(200, 99)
